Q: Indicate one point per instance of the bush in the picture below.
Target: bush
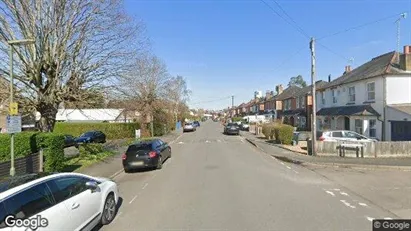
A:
(268, 130)
(24, 145)
(88, 151)
(53, 151)
(237, 119)
(112, 130)
(284, 133)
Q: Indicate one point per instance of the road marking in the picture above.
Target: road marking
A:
(282, 163)
(242, 140)
(369, 218)
(336, 189)
(331, 193)
(181, 142)
(295, 171)
(145, 185)
(219, 141)
(344, 193)
(363, 204)
(347, 204)
(207, 141)
(288, 167)
(133, 199)
(116, 174)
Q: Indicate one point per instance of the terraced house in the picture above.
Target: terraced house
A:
(373, 99)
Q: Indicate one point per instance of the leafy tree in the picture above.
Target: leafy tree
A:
(297, 81)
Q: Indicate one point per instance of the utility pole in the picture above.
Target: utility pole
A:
(313, 96)
(232, 105)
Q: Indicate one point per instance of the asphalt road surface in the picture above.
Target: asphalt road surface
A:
(219, 182)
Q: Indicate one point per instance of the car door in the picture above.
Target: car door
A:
(83, 203)
(37, 200)
(338, 135)
(164, 148)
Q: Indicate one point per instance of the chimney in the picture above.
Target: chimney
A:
(329, 78)
(268, 94)
(279, 89)
(405, 59)
(347, 69)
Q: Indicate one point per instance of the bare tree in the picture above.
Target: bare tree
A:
(178, 93)
(79, 45)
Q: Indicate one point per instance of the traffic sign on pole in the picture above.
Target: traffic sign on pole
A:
(14, 109)
(13, 124)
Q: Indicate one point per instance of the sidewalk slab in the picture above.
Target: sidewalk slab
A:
(402, 163)
(112, 166)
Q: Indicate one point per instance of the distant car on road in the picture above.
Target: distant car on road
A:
(342, 135)
(69, 201)
(189, 127)
(146, 154)
(91, 137)
(244, 126)
(232, 129)
(196, 124)
(70, 141)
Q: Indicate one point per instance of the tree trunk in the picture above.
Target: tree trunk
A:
(48, 114)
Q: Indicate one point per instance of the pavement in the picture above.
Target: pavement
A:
(112, 166)
(219, 182)
(402, 163)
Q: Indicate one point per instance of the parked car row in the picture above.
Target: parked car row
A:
(232, 129)
(87, 137)
(191, 126)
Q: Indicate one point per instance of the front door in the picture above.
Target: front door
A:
(400, 130)
(346, 123)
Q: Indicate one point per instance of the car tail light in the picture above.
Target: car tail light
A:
(321, 138)
(124, 156)
(152, 154)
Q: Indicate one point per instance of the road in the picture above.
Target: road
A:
(218, 182)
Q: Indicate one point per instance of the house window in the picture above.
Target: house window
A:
(358, 126)
(351, 94)
(298, 102)
(322, 98)
(373, 128)
(371, 91)
(334, 96)
(302, 102)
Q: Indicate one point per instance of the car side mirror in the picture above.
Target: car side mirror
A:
(92, 185)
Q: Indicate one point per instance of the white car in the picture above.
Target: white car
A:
(342, 135)
(59, 201)
(189, 127)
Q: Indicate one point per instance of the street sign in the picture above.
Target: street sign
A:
(138, 134)
(13, 124)
(14, 109)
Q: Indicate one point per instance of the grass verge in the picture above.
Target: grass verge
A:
(76, 163)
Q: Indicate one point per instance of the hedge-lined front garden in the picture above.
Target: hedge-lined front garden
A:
(112, 130)
(26, 143)
(282, 133)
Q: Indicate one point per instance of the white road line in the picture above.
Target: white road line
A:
(344, 193)
(331, 193)
(288, 167)
(219, 141)
(133, 199)
(295, 171)
(336, 189)
(207, 141)
(181, 142)
(369, 218)
(347, 204)
(115, 174)
(145, 185)
(363, 204)
(282, 163)
(272, 157)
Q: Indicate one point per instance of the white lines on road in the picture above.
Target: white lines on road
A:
(344, 193)
(295, 171)
(242, 140)
(145, 185)
(207, 141)
(219, 141)
(181, 142)
(336, 189)
(282, 163)
(348, 204)
(288, 167)
(363, 204)
(331, 193)
(369, 218)
(133, 199)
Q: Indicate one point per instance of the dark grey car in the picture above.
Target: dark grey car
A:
(232, 129)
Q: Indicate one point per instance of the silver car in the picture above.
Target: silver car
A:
(342, 135)
(189, 127)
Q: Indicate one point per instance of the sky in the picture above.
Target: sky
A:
(227, 48)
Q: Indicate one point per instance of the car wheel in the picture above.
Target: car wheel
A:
(127, 170)
(109, 210)
(160, 163)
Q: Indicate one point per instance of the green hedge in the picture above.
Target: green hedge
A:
(284, 133)
(89, 151)
(112, 130)
(26, 143)
(53, 151)
(237, 119)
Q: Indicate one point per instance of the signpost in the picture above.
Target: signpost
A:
(14, 109)
(13, 126)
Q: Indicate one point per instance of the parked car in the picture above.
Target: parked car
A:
(69, 201)
(70, 141)
(91, 137)
(244, 126)
(146, 154)
(342, 135)
(232, 129)
(196, 124)
(189, 127)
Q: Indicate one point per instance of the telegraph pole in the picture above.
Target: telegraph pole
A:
(232, 104)
(314, 110)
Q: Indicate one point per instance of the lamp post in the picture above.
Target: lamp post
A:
(11, 44)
